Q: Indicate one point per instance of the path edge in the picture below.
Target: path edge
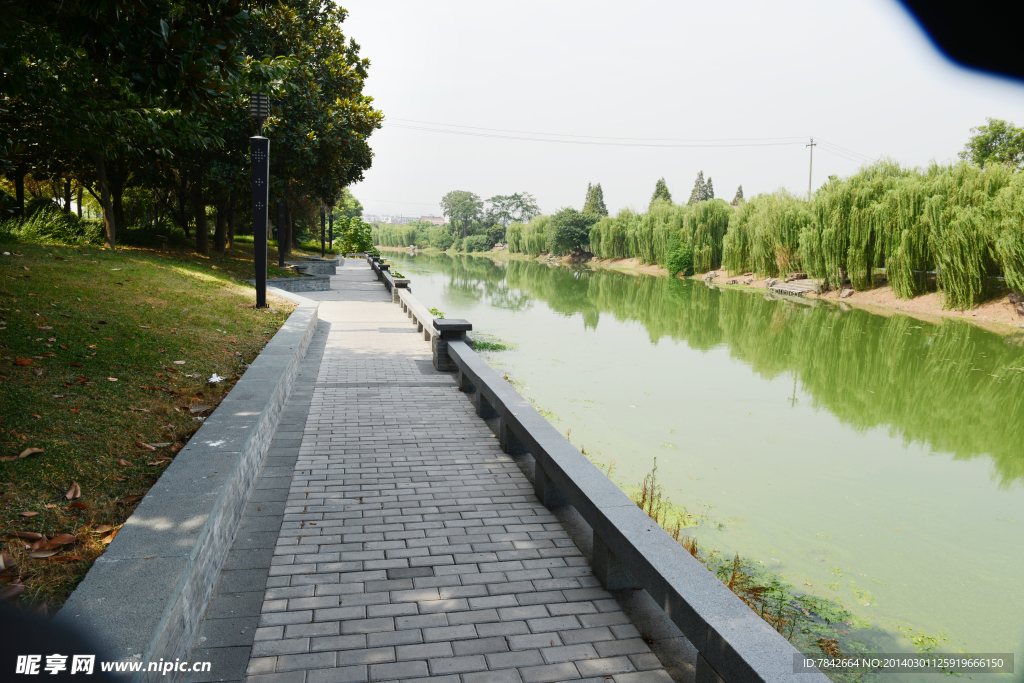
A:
(144, 599)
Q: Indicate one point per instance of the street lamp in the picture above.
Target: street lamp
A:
(259, 155)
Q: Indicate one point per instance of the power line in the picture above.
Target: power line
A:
(598, 137)
(848, 151)
(595, 142)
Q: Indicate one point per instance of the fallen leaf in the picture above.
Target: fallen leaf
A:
(101, 322)
(108, 339)
(66, 558)
(177, 362)
(74, 492)
(28, 514)
(57, 395)
(6, 561)
(42, 554)
(12, 591)
(139, 410)
(24, 454)
(123, 463)
(50, 506)
(75, 365)
(201, 408)
(159, 461)
(111, 379)
(38, 372)
(144, 445)
(23, 361)
(127, 500)
(38, 417)
(43, 327)
(61, 346)
(59, 540)
(72, 410)
(163, 444)
(38, 544)
(78, 505)
(27, 535)
(145, 327)
(102, 529)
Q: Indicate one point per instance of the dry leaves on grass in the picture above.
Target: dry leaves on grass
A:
(74, 492)
(24, 454)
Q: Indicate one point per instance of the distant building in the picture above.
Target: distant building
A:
(433, 220)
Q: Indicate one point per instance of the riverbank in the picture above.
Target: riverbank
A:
(996, 315)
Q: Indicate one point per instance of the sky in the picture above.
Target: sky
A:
(733, 89)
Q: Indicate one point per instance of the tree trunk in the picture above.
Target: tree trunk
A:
(117, 200)
(79, 201)
(231, 222)
(182, 216)
(67, 195)
(220, 231)
(109, 222)
(289, 230)
(202, 236)
(19, 190)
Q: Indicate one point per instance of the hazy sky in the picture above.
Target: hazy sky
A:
(859, 75)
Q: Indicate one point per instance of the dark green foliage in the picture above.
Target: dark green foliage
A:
(49, 225)
(709, 190)
(569, 231)
(661, 192)
(354, 236)
(700, 190)
(738, 197)
(996, 142)
(595, 201)
(461, 208)
(680, 260)
(476, 243)
(495, 234)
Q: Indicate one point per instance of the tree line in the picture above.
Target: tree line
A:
(142, 110)
(956, 228)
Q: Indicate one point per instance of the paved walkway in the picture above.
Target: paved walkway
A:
(390, 538)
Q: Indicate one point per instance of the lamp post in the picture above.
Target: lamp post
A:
(259, 154)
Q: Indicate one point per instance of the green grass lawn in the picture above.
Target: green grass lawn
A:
(104, 362)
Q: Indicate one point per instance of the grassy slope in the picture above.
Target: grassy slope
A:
(79, 319)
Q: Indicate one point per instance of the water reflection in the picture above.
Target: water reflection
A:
(952, 386)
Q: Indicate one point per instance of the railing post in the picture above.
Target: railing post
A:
(449, 331)
(607, 568)
(546, 491)
(705, 672)
(508, 441)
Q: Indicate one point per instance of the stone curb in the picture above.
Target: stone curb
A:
(306, 283)
(145, 597)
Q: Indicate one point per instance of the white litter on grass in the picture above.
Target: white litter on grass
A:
(198, 419)
(215, 379)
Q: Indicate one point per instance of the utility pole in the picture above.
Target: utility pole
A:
(810, 173)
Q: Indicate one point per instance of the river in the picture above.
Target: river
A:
(876, 460)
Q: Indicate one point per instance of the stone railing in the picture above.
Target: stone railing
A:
(630, 550)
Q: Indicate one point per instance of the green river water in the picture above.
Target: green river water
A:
(875, 460)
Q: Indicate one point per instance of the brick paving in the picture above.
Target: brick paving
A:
(410, 545)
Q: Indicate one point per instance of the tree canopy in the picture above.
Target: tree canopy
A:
(151, 99)
(661, 191)
(570, 231)
(461, 207)
(594, 203)
(520, 207)
(702, 191)
(995, 142)
(738, 197)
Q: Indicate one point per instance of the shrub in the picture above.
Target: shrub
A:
(680, 260)
(51, 225)
(476, 243)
